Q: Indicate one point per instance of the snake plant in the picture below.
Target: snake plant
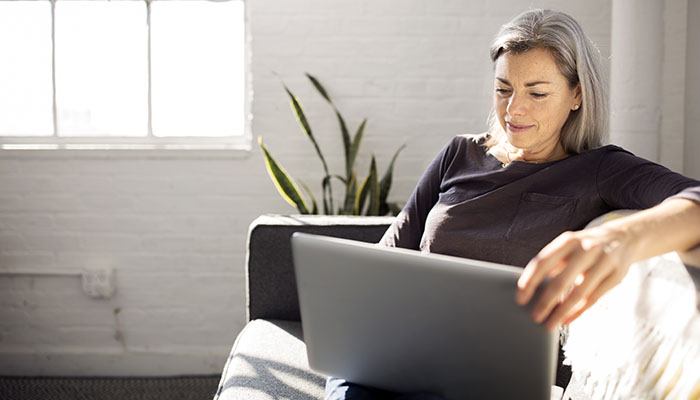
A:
(362, 197)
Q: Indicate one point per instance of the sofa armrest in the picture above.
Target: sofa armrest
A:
(270, 284)
(268, 362)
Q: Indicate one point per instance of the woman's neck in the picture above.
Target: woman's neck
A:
(507, 153)
(537, 157)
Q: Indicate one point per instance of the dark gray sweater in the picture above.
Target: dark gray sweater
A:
(468, 205)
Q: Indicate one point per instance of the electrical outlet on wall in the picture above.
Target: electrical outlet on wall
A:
(98, 282)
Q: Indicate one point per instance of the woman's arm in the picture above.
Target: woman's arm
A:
(691, 258)
(592, 261)
(407, 229)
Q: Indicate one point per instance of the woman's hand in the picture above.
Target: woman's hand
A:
(584, 265)
(581, 267)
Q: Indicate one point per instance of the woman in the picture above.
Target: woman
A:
(521, 193)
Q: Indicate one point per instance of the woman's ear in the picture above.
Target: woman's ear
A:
(577, 93)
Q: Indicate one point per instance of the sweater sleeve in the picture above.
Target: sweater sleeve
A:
(407, 229)
(627, 181)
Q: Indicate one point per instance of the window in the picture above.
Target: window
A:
(122, 74)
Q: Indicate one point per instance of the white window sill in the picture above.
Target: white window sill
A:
(99, 148)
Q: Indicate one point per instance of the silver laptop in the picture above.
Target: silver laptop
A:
(405, 321)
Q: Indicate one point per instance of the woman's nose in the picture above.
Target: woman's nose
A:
(516, 105)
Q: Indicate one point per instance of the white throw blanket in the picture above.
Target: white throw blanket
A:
(641, 340)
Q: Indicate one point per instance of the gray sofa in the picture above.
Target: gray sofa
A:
(268, 359)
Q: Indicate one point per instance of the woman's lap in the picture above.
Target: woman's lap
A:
(340, 389)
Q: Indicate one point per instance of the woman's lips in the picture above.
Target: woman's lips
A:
(518, 128)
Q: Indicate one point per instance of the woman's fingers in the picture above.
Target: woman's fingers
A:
(578, 262)
(549, 259)
(582, 292)
(608, 283)
(581, 265)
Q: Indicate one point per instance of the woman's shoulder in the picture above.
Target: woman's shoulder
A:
(607, 153)
(610, 149)
(472, 145)
(612, 153)
(480, 139)
(471, 141)
(612, 160)
(459, 149)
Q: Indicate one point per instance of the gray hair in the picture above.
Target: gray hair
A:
(578, 60)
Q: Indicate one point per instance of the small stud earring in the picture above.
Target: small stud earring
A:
(575, 107)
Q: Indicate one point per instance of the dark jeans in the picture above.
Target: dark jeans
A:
(340, 389)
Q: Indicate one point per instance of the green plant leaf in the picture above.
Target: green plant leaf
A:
(314, 207)
(355, 197)
(283, 182)
(385, 184)
(346, 144)
(350, 194)
(394, 209)
(362, 193)
(341, 121)
(355, 146)
(327, 195)
(340, 178)
(305, 127)
(319, 87)
(373, 184)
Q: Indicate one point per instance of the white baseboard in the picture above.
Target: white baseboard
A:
(75, 362)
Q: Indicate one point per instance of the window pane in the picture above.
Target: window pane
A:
(101, 68)
(197, 68)
(25, 68)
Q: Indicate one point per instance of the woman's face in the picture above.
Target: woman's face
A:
(532, 101)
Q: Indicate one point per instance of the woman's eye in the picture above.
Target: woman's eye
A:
(539, 95)
(502, 91)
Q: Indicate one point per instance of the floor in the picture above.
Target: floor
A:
(130, 388)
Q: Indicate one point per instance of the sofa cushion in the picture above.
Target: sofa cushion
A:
(268, 361)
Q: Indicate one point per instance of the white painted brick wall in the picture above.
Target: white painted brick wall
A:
(692, 93)
(174, 229)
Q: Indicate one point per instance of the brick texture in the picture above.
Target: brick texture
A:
(174, 228)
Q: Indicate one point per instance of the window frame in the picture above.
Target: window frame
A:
(150, 144)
